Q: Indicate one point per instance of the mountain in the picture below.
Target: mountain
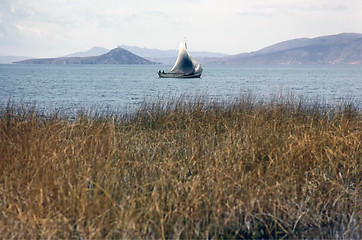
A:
(155, 53)
(344, 48)
(95, 51)
(150, 53)
(115, 56)
(168, 56)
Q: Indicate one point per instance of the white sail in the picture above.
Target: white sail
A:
(185, 64)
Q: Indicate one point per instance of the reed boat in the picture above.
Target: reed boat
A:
(185, 66)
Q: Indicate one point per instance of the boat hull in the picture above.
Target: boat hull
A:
(178, 75)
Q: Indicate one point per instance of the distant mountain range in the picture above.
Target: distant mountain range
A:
(344, 48)
(168, 56)
(144, 52)
(94, 51)
(115, 56)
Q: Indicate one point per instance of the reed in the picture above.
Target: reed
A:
(183, 169)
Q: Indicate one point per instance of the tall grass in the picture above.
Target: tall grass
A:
(183, 169)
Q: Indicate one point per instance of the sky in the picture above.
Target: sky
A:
(51, 28)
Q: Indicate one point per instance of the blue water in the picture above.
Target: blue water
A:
(125, 87)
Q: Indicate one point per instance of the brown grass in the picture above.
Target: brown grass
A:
(183, 169)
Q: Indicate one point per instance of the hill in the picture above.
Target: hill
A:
(156, 53)
(94, 51)
(115, 56)
(344, 48)
(168, 56)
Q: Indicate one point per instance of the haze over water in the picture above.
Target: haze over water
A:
(120, 88)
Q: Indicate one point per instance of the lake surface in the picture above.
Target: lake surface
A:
(125, 87)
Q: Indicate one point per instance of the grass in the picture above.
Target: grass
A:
(183, 169)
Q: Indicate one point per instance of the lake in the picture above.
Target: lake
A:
(121, 88)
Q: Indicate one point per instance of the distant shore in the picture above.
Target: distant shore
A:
(183, 169)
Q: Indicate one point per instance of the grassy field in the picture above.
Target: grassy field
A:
(183, 169)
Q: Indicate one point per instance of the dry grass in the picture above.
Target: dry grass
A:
(183, 169)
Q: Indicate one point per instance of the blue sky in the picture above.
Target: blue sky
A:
(48, 28)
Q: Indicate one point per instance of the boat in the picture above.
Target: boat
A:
(185, 66)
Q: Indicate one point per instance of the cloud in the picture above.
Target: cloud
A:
(328, 7)
(288, 9)
(62, 26)
(29, 32)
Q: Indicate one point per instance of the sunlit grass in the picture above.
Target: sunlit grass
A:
(183, 169)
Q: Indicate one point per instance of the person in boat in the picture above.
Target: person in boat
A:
(159, 71)
(163, 71)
